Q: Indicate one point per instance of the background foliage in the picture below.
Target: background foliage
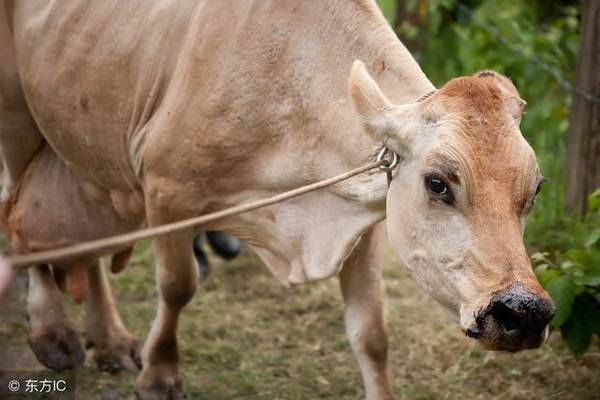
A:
(572, 277)
(534, 43)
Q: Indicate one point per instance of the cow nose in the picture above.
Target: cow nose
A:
(521, 316)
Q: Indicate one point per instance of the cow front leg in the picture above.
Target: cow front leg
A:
(360, 281)
(51, 336)
(177, 276)
(115, 348)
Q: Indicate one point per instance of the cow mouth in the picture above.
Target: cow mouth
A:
(513, 346)
(494, 341)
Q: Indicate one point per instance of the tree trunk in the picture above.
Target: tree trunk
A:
(583, 149)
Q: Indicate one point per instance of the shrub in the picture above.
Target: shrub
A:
(572, 277)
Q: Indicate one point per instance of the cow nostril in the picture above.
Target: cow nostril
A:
(474, 333)
(506, 317)
(544, 312)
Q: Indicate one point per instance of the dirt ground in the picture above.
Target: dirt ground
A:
(245, 337)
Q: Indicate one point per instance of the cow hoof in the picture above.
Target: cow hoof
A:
(57, 348)
(164, 389)
(117, 355)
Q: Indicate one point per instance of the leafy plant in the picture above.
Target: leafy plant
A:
(572, 278)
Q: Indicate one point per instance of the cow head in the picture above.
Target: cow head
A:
(457, 205)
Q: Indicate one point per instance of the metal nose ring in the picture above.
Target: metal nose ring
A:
(387, 166)
(383, 156)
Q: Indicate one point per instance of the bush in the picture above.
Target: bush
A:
(572, 277)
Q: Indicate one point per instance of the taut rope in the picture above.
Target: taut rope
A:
(22, 261)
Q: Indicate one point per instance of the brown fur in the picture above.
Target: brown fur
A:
(499, 171)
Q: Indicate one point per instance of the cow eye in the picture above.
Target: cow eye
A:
(438, 188)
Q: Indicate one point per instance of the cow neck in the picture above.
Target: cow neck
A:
(403, 81)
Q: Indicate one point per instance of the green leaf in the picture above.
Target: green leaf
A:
(594, 320)
(541, 258)
(579, 256)
(582, 324)
(571, 267)
(592, 279)
(577, 290)
(578, 337)
(594, 200)
(562, 291)
(546, 275)
(593, 238)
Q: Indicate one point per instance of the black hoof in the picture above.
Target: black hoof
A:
(57, 349)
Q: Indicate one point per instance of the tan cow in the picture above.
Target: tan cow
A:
(163, 110)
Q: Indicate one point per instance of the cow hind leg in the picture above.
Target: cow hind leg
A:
(114, 347)
(360, 281)
(52, 338)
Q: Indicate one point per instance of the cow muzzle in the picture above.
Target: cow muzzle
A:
(514, 320)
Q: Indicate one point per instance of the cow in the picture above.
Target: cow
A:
(153, 112)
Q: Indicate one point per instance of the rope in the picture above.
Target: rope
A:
(22, 261)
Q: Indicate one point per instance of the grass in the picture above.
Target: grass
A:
(245, 337)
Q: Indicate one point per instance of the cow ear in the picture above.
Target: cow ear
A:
(514, 104)
(367, 97)
(390, 124)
